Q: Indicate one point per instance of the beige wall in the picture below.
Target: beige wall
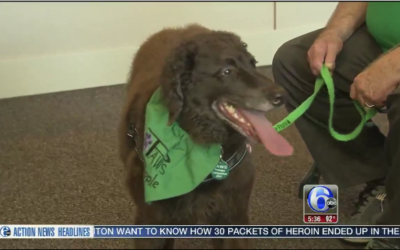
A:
(291, 15)
(50, 47)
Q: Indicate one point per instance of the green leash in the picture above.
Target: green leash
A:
(327, 80)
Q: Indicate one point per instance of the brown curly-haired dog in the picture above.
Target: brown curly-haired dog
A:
(212, 89)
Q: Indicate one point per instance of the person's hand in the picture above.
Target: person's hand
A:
(372, 86)
(324, 50)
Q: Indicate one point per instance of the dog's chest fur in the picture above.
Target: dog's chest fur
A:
(213, 202)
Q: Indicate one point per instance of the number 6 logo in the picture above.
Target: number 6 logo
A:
(318, 199)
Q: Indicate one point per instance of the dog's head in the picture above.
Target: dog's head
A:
(212, 88)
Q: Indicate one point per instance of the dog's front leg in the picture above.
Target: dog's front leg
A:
(217, 243)
(234, 243)
(237, 244)
(151, 243)
(237, 216)
(154, 243)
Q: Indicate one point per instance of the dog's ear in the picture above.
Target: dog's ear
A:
(176, 75)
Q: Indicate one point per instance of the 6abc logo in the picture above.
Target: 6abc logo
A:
(321, 198)
(5, 231)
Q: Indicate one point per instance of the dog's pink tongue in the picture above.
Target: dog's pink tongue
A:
(271, 139)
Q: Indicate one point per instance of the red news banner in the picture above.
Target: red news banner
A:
(323, 218)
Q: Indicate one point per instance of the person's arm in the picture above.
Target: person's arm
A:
(347, 17)
(392, 58)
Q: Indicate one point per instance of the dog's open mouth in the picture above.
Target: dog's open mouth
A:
(254, 125)
(239, 121)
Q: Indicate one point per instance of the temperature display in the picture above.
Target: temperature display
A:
(326, 218)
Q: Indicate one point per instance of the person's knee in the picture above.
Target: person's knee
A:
(288, 60)
(284, 70)
(290, 66)
(291, 70)
(285, 64)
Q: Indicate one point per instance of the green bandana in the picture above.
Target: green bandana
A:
(174, 164)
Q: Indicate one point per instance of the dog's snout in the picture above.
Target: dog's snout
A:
(277, 97)
(274, 93)
(277, 100)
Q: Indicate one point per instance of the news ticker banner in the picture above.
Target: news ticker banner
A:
(90, 231)
(320, 204)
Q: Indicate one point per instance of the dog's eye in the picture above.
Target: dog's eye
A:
(244, 45)
(226, 72)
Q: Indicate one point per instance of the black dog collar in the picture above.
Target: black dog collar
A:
(234, 160)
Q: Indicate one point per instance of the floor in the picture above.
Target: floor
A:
(59, 165)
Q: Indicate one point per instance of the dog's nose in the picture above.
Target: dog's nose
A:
(277, 99)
